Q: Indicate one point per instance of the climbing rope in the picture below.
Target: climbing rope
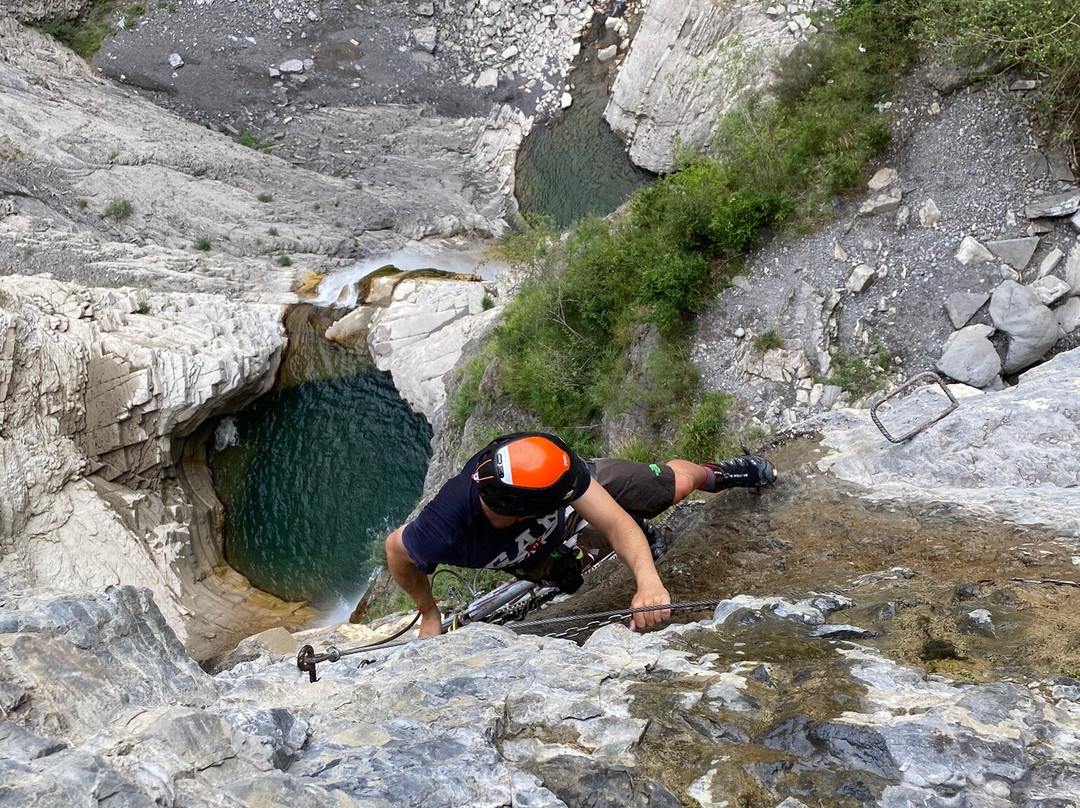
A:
(307, 659)
(601, 619)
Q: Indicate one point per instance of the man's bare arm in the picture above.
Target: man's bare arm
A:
(415, 583)
(598, 508)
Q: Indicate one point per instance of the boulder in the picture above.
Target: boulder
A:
(887, 200)
(1049, 289)
(961, 306)
(1068, 315)
(883, 178)
(1072, 269)
(970, 357)
(1016, 252)
(425, 38)
(860, 278)
(929, 214)
(1054, 206)
(1032, 327)
(488, 79)
(972, 252)
(1050, 262)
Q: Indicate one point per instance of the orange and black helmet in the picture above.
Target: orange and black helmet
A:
(528, 474)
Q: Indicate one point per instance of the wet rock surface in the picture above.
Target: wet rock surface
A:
(746, 706)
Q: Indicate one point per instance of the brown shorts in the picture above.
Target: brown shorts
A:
(643, 490)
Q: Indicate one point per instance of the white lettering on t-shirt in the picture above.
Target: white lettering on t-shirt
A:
(529, 541)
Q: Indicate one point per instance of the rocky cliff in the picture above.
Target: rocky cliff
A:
(690, 63)
(202, 239)
(798, 700)
(100, 392)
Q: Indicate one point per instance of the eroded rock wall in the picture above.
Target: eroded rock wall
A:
(486, 717)
(98, 389)
(43, 10)
(688, 65)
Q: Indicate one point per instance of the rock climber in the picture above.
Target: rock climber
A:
(516, 504)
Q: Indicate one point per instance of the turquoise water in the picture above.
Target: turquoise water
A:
(314, 474)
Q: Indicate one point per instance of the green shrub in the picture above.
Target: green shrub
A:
(467, 392)
(117, 209)
(273, 231)
(530, 242)
(253, 141)
(860, 374)
(768, 340)
(704, 435)
(563, 343)
(132, 14)
(81, 203)
(265, 197)
(283, 261)
(84, 34)
(1041, 37)
(202, 243)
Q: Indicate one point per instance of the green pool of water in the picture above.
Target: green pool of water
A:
(316, 473)
(576, 165)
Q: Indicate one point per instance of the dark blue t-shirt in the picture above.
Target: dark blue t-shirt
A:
(452, 529)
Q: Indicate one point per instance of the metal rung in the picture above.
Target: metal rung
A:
(929, 377)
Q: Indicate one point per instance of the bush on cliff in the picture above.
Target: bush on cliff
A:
(564, 344)
(1041, 37)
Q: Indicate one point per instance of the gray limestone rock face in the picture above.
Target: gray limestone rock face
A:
(95, 639)
(1054, 206)
(1049, 289)
(97, 388)
(1011, 452)
(1016, 252)
(1032, 328)
(684, 57)
(1068, 315)
(32, 11)
(961, 306)
(484, 716)
(1072, 269)
(970, 357)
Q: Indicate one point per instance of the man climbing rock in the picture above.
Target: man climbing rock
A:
(518, 502)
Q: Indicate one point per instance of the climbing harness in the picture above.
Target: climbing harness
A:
(929, 377)
(307, 659)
